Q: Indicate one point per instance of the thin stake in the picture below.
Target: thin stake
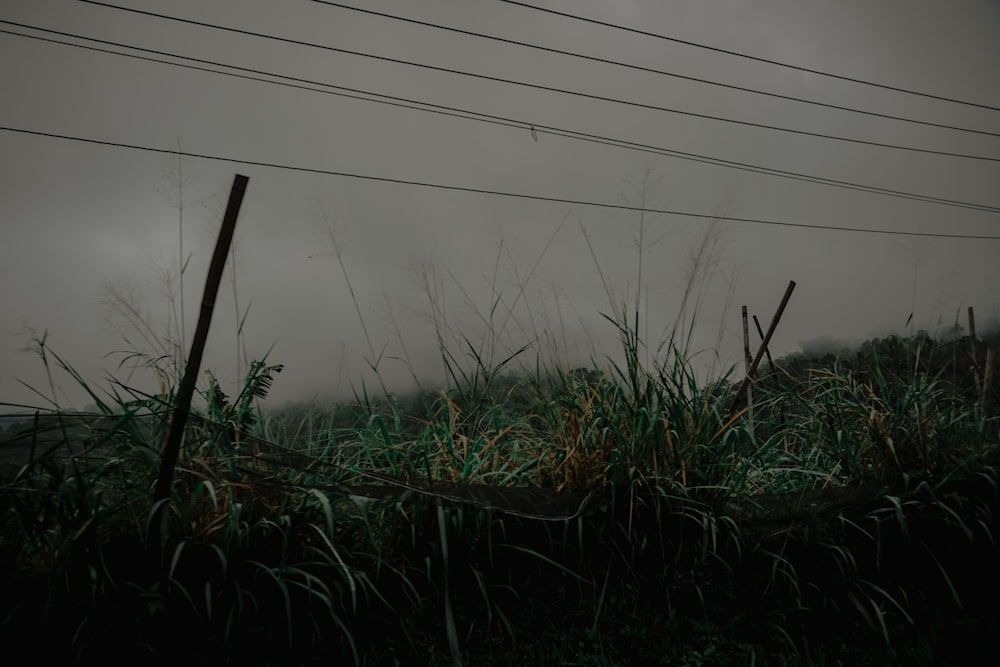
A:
(763, 345)
(974, 357)
(760, 332)
(191, 369)
(748, 362)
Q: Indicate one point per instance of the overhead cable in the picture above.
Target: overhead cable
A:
(486, 191)
(737, 54)
(652, 70)
(467, 114)
(552, 89)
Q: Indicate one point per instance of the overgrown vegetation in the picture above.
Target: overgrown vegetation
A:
(584, 518)
(627, 514)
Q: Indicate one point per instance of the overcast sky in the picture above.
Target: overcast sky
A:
(84, 225)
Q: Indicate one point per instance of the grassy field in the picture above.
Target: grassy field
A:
(633, 512)
(632, 515)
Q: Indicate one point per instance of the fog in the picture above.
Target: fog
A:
(340, 269)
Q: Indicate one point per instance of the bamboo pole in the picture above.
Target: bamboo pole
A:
(760, 332)
(748, 362)
(186, 391)
(974, 357)
(764, 344)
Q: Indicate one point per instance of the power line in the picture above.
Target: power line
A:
(737, 54)
(484, 191)
(651, 70)
(553, 89)
(428, 107)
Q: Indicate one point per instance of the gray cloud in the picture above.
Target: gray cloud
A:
(75, 216)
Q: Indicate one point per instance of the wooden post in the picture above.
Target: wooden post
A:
(764, 344)
(186, 391)
(748, 362)
(760, 332)
(974, 357)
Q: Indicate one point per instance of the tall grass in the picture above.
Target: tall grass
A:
(526, 513)
(265, 545)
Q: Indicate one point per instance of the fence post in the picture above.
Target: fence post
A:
(763, 346)
(186, 391)
(748, 362)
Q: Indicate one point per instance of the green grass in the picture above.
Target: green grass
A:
(530, 514)
(263, 552)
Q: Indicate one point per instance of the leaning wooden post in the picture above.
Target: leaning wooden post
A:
(748, 361)
(760, 332)
(763, 346)
(974, 357)
(186, 391)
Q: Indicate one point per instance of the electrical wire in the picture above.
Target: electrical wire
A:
(552, 89)
(651, 70)
(428, 107)
(737, 54)
(486, 191)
